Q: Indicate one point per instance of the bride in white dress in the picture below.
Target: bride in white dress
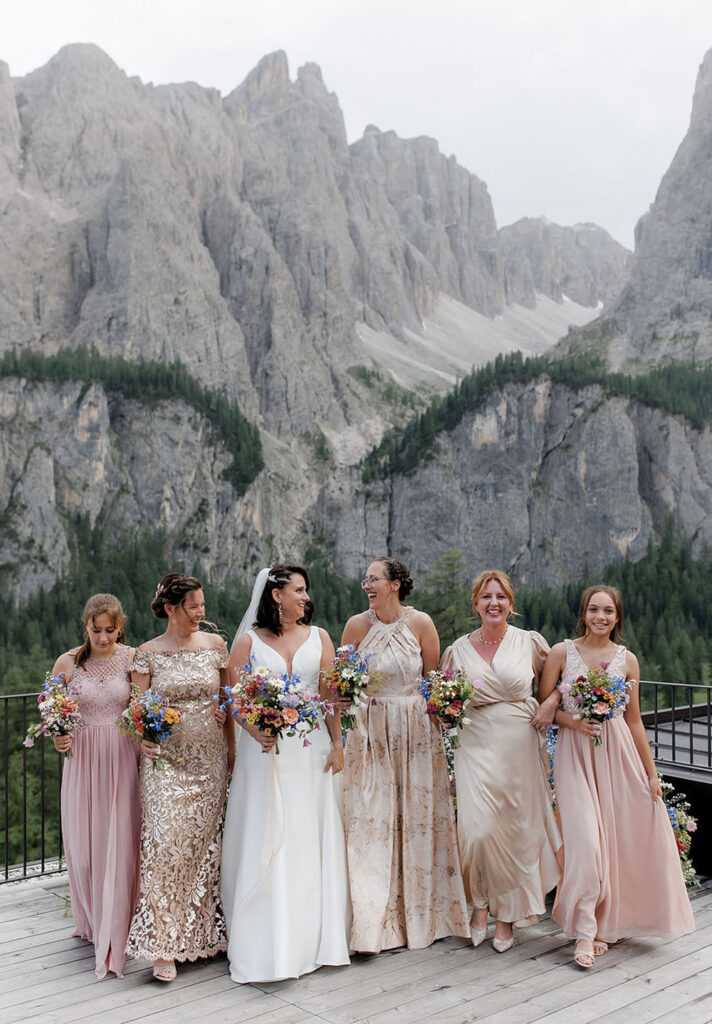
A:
(283, 875)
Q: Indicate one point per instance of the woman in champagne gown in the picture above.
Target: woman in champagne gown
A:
(179, 913)
(506, 826)
(404, 868)
(101, 812)
(622, 874)
(283, 879)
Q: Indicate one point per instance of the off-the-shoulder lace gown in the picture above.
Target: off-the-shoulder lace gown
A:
(179, 915)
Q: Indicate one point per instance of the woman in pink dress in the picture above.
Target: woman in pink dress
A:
(101, 810)
(622, 874)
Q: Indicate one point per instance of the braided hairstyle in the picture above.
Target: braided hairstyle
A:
(268, 615)
(397, 572)
(172, 590)
(100, 604)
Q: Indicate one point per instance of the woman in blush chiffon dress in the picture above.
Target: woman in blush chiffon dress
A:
(622, 875)
(101, 811)
(283, 877)
(404, 866)
(509, 839)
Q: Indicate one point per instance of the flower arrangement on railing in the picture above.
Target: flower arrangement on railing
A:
(683, 827)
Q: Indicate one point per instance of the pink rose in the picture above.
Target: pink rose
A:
(290, 716)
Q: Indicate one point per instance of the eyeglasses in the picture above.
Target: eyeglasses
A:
(368, 581)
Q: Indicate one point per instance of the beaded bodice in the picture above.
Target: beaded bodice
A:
(102, 688)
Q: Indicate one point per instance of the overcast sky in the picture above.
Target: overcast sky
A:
(571, 109)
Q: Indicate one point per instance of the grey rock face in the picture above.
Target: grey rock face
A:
(665, 310)
(542, 482)
(246, 238)
(582, 263)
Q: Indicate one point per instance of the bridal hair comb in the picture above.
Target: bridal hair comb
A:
(159, 590)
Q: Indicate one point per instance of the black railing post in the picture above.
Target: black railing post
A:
(6, 731)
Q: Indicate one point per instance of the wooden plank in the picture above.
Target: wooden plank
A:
(590, 994)
(697, 1012)
(659, 1005)
(352, 1004)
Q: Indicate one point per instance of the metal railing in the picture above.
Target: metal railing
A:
(677, 718)
(678, 721)
(31, 785)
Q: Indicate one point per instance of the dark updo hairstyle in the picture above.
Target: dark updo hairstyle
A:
(396, 572)
(268, 609)
(172, 590)
(615, 596)
(100, 604)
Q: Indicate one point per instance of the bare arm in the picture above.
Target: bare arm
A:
(240, 657)
(64, 665)
(637, 729)
(547, 694)
(429, 642)
(355, 630)
(550, 676)
(335, 760)
(228, 725)
(142, 680)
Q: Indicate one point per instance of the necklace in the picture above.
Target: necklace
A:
(493, 643)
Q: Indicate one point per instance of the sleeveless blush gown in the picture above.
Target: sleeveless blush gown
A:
(283, 879)
(622, 875)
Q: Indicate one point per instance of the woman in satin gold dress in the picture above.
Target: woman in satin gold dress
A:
(508, 836)
(179, 914)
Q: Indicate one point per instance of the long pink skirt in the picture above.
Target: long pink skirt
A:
(622, 874)
(101, 827)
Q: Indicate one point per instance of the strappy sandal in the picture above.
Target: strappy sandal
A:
(600, 948)
(165, 972)
(583, 957)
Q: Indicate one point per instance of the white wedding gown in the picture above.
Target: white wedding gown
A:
(283, 877)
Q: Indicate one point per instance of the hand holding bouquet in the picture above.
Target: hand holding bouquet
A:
(598, 696)
(59, 711)
(349, 677)
(278, 705)
(149, 717)
(446, 693)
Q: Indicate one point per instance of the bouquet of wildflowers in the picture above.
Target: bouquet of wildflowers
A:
(349, 676)
(598, 696)
(149, 717)
(683, 826)
(446, 692)
(280, 705)
(59, 711)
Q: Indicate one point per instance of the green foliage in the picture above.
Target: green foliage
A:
(678, 388)
(445, 596)
(149, 382)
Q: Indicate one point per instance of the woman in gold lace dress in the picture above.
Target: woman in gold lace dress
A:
(179, 915)
(404, 869)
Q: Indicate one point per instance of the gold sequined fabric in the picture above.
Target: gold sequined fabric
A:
(179, 914)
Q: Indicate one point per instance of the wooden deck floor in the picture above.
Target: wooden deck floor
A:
(47, 976)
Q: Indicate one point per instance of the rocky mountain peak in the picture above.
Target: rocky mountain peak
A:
(583, 262)
(665, 311)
